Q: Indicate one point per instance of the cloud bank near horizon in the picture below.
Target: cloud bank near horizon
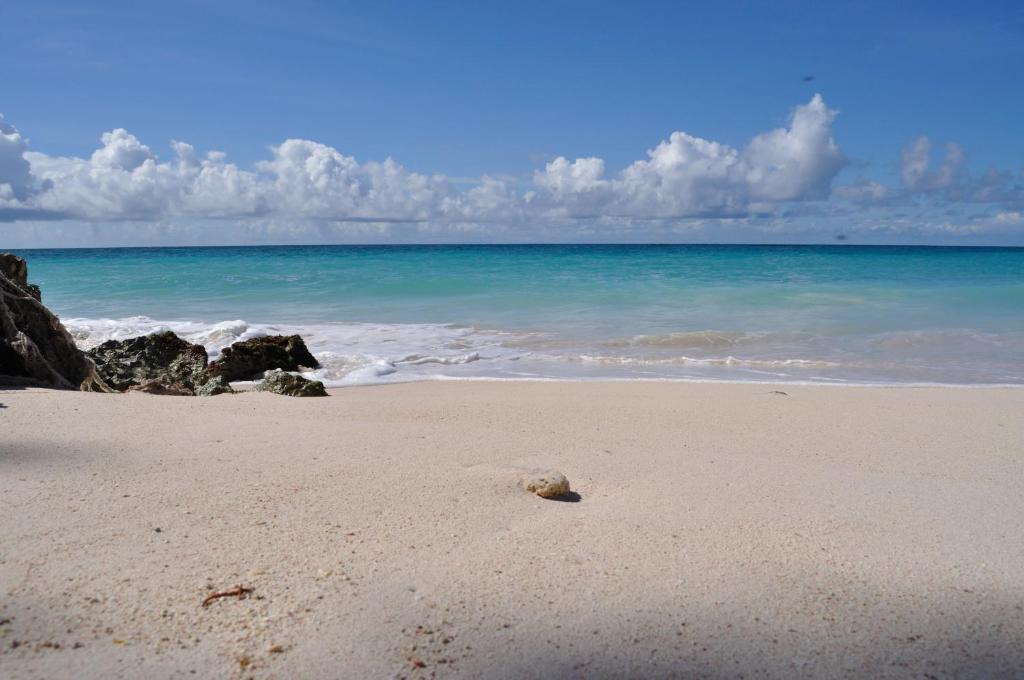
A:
(780, 177)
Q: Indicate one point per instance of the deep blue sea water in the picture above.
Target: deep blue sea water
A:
(387, 313)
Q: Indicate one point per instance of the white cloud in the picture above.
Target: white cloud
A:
(915, 168)
(311, 179)
(211, 187)
(687, 176)
(1009, 217)
(490, 201)
(573, 189)
(863, 191)
(684, 176)
(943, 186)
(121, 151)
(123, 179)
(15, 174)
(307, 191)
(798, 162)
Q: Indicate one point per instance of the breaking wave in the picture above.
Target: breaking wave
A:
(370, 353)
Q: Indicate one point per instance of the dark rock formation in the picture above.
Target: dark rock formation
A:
(161, 356)
(16, 269)
(214, 385)
(158, 386)
(35, 348)
(249, 359)
(279, 382)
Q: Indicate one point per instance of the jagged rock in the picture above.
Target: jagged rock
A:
(35, 348)
(215, 385)
(161, 356)
(159, 386)
(279, 382)
(16, 269)
(545, 483)
(249, 359)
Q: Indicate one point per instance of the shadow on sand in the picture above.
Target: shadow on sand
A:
(727, 649)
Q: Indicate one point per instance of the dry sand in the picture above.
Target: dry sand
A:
(720, 531)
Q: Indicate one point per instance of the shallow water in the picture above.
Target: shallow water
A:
(387, 313)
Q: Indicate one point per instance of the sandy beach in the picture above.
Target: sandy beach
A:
(720, 531)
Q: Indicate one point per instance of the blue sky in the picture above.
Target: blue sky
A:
(459, 91)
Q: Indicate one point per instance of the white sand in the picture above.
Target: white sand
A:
(722, 531)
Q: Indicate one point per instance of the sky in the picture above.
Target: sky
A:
(203, 123)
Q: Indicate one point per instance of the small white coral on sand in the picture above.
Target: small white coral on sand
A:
(545, 483)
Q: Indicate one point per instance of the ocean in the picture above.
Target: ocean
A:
(378, 314)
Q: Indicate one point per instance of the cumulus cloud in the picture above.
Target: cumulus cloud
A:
(123, 179)
(682, 177)
(15, 173)
(780, 182)
(313, 179)
(492, 200)
(798, 162)
(687, 176)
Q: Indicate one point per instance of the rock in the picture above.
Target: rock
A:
(158, 386)
(35, 348)
(162, 356)
(545, 483)
(16, 269)
(279, 382)
(215, 385)
(249, 359)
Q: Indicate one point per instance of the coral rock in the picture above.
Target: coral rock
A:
(279, 382)
(157, 386)
(161, 356)
(215, 385)
(249, 359)
(545, 483)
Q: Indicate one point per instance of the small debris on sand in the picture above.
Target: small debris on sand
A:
(238, 591)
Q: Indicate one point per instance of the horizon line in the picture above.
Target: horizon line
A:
(524, 244)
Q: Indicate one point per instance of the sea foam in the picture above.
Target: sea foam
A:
(349, 353)
(373, 353)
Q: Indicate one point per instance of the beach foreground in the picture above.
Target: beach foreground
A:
(720, 530)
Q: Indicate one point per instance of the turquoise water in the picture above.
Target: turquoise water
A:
(385, 313)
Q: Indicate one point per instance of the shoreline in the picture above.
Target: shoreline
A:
(719, 530)
(695, 381)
